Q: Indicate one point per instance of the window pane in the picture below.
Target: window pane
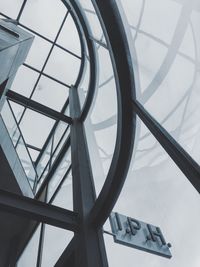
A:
(63, 66)
(69, 37)
(10, 8)
(29, 78)
(50, 93)
(46, 24)
(35, 128)
(38, 52)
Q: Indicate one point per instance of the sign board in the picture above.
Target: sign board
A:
(140, 235)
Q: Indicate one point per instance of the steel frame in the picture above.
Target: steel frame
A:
(88, 243)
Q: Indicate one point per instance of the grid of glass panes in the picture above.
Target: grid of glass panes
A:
(51, 67)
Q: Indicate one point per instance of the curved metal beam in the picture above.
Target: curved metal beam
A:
(121, 58)
(83, 28)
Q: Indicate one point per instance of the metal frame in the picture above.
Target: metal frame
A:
(38, 211)
(35, 106)
(90, 213)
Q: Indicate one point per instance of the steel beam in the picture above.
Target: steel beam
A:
(38, 211)
(112, 24)
(91, 250)
(182, 159)
(35, 106)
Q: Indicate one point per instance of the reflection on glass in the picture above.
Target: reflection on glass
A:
(55, 241)
(157, 192)
(29, 255)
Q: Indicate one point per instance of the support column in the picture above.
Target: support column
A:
(91, 249)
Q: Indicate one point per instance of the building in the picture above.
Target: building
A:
(101, 115)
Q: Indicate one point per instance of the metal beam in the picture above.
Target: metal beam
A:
(91, 249)
(182, 159)
(38, 211)
(33, 105)
(109, 15)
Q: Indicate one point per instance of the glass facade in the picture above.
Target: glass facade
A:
(104, 116)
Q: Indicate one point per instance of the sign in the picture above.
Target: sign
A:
(140, 235)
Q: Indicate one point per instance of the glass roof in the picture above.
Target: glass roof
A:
(51, 67)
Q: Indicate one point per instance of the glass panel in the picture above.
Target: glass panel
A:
(46, 24)
(63, 66)
(29, 256)
(157, 192)
(11, 8)
(52, 250)
(64, 197)
(59, 173)
(29, 78)
(35, 128)
(38, 52)
(69, 37)
(50, 93)
(100, 125)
